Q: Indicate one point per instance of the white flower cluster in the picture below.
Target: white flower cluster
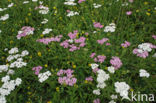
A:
(101, 78)
(110, 28)
(44, 21)
(5, 17)
(44, 76)
(72, 13)
(125, 4)
(34, 0)
(122, 88)
(13, 50)
(70, 2)
(0, 31)
(3, 68)
(16, 56)
(94, 66)
(113, 97)
(96, 5)
(3, 9)
(144, 47)
(25, 2)
(144, 73)
(9, 6)
(18, 63)
(7, 87)
(97, 92)
(19, 60)
(112, 101)
(111, 69)
(43, 10)
(46, 31)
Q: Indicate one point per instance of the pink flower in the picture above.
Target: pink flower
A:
(26, 30)
(96, 100)
(154, 36)
(80, 1)
(143, 54)
(68, 79)
(108, 44)
(95, 70)
(75, 44)
(80, 40)
(126, 44)
(68, 11)
(73, 35)
(101, 58)
(48, 40)
(37, 69)
(131, 1)
(86, 33)
(89, 78)
(92, 55)
(116, 62)
(102, 41)
(97, 25)
(129, 12)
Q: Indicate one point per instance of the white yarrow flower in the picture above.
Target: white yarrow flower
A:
(72, 13)
(5, 17)
(94, 66)
(144, 73)
(97, 92)
(46, 31)
(44, 21)
(111, 69)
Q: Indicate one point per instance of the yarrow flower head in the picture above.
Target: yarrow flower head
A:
(44, 76)
(73, 43)
(122, 88)
(96, 5)
(154, 36)
(44, 21)
(42, 9)
(72, 13)
(51, 39)
(97, 25)
(144, 49)
(96, 100)
(26, 30)
(70, 2)
(102, 41)
(7, 87)
(46, 31)
(66, 77)
(99, 58)
(89, 78)
(128, 12)
(37, 69)
(143, 73)
(116, 62)
(5, 17)
(126, 44)
(110, 28)
(80, 1)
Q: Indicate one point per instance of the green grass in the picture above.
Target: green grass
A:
(136, 28)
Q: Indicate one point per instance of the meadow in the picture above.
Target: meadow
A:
(77, 51)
